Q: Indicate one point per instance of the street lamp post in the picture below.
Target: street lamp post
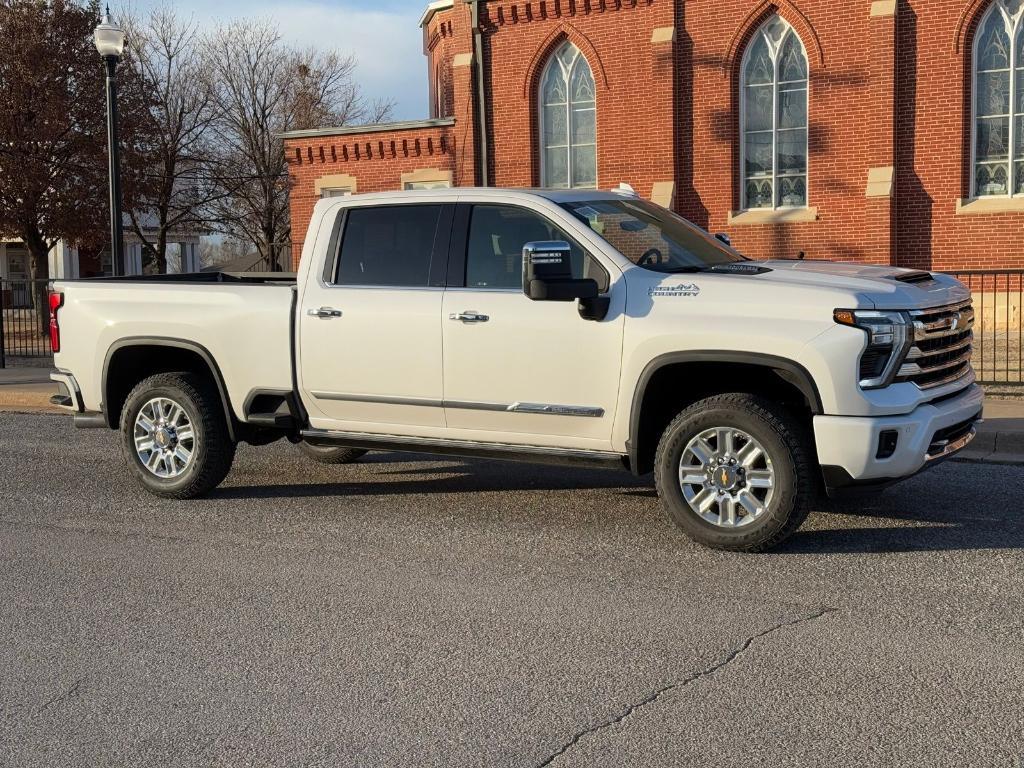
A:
(109, 38)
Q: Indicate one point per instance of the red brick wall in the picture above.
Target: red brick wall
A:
(884, 91)
(935, 42)
(377, 160)
(634, 81)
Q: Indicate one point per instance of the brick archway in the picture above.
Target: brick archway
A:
(753, 22)
(967, 24)
(565, 32)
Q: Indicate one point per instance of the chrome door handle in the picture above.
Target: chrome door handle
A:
(469, 317)
(324, 313)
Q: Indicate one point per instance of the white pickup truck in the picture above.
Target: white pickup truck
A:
(577, 327)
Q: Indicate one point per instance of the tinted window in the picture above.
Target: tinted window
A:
(497, 234)
(390, 245)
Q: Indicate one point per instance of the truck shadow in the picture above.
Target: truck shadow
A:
(938, 511)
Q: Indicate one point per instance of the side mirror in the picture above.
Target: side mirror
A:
(547, 273)
(724, 238)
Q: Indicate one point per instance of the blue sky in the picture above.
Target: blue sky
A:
(383, 35)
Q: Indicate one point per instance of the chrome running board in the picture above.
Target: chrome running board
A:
(528, 453)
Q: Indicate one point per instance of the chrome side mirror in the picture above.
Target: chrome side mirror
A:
(547, 273)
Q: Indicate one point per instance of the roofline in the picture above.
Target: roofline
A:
(347, 130)
(438, 5)
(551, 195)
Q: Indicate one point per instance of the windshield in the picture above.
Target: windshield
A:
(653, 237)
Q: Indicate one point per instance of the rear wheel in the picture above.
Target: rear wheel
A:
(174, 437)
(735, 472)
(330, 454)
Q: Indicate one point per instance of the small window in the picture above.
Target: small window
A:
(438, 184)
(335, 192)
(497, 234)
(388, 246)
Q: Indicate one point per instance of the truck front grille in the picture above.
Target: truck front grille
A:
(943, 345)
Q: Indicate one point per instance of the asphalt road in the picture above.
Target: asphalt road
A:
(408, 611)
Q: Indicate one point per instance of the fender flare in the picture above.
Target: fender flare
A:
(788, 370)
(161, 341)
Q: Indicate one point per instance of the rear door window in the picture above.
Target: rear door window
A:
(388, 246)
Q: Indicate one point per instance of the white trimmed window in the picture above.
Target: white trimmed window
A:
(773, 119)
(568, 121)
(998, 103)
(335, 192)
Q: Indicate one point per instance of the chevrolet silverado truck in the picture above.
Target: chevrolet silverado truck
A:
(577, 327)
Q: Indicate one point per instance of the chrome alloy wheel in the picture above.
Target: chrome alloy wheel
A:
(727, 477)
(164, 439)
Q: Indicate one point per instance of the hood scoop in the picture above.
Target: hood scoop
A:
(916, 277)
(740, 268)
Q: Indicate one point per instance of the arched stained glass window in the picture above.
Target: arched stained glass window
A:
(773, 98)
(568, 121)
(999, 101)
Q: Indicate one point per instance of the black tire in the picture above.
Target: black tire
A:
(213, 451)
(330, 454)
(785, 439)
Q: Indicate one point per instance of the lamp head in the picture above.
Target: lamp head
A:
(109, 37)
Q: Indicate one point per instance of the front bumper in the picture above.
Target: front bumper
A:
(849, 447)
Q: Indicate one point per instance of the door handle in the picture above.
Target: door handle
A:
(469, 317)
(324, 313)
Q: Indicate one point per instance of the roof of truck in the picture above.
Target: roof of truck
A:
(554, 195)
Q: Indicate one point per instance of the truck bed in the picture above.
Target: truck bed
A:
(200, 278)
(241, 321)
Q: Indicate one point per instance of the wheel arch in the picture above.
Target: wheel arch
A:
(144, 352)
(649, 407)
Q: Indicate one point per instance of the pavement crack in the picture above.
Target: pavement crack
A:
(62, 696)
(734, 653)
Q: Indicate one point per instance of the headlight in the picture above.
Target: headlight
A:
(890, 335)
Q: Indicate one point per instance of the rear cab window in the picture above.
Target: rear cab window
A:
(400, 246)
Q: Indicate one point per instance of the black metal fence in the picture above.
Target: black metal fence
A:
(999, 327)
(24, 323)
(279, 261)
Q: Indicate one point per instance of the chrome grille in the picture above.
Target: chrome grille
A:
(942, 347)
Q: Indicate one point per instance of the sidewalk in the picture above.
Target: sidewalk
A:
(1000, 438)
(26, 389)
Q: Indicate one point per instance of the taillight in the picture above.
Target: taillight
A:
(56, 302)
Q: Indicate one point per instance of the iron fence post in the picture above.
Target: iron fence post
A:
(3, 350)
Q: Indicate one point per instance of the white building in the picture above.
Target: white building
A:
(70, 262)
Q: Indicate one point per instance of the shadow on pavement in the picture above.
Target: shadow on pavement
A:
(921, 516)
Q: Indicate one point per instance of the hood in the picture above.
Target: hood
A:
(882, 287)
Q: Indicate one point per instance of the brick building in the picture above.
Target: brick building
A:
(887, 132)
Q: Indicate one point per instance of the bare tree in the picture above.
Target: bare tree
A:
(265, 88)
(53, 182)
(167, 58)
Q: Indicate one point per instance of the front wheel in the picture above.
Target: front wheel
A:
(174, 437)
(736, 472)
